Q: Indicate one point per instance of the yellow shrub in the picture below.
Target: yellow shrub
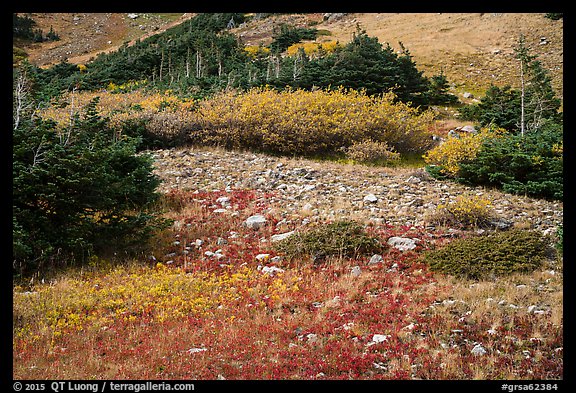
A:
(313, 48)
(371, 151)
(465, 211)
(454, 151)
(254, 51)
(310, 122)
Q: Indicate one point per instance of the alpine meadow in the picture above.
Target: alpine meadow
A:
(276, 196)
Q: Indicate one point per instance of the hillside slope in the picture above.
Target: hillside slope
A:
(472, 49)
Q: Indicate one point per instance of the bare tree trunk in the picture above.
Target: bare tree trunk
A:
(161, 65)
(522, 97)
(277, 67)
(188, 63)
(170, 67)
(231, 79)
(198, 65)
(20, 96)
(298, 65)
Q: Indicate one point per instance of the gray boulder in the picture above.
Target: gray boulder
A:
(255, 222)
(402, 243)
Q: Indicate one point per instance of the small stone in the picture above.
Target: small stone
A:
(224, 201)
(478, 350)
(281, 236)
(380, 338)
(376, 258)
(355, 271)
(271, 270)
(370, 198)
(255, 222)
(402, 243)
(196, 350)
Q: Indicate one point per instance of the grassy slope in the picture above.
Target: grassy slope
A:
(462, 45)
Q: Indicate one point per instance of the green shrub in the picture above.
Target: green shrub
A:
(338, 239)
(560, 241)
(528, 165)
(287, 35)
(77, 191)
(490, 255)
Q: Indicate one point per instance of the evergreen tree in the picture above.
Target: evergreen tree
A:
(537, 98)
(438, 91)
(519, 111)
(76, 191)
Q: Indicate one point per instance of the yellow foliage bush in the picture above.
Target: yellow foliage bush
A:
(371, 151)
(454, 151)
(313, 48)
(466, 211)
(309, 122)
(286, 122)
(255, 51)
(120, 106)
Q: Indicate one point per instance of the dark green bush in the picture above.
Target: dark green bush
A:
(77, 191)
(528, 165)
(500, 106)
(490, 255)
(560, 237)
(338, 239)
(287, 35)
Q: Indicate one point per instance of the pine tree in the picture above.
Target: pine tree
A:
(537, 98)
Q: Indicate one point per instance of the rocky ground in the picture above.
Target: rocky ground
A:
(311, 191)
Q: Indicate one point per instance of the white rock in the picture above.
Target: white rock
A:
(380, 338)
(271, 270)
(196, 350)
(376, 258)
(402, 243)
(478, 350)
(281, 236)
(262, 257)
(370, 198)
(224, 201)
(255, 222)
(356, 271)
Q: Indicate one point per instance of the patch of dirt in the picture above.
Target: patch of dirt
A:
(84, 35)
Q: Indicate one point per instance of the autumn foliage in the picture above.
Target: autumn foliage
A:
(290, 122)
(309, 122)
